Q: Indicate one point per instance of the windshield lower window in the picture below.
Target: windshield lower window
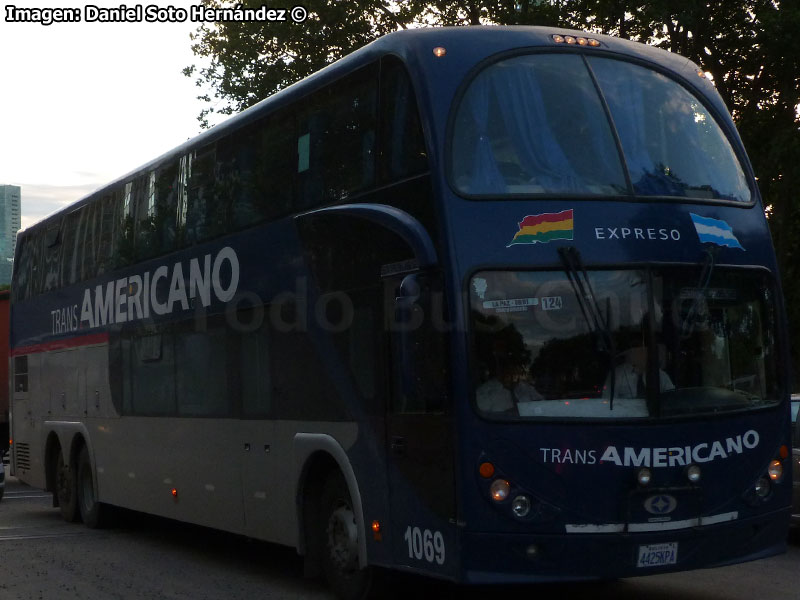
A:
(623, 344)
(535, 124)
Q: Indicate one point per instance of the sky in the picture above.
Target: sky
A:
(82, 104)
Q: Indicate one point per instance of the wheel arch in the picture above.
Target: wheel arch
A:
(316, 454)
(68, 438)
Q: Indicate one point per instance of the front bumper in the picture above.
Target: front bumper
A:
(493, 558)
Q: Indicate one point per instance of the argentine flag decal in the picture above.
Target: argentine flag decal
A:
(715, 231)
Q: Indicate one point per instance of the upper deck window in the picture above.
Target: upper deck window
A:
(536, 124)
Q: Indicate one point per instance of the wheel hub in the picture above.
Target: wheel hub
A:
(343, 539)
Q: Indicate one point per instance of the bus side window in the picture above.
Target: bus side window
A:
(124, 230)
(89, 240)
(108, 222)
(200, 221)
(53, 249)
(155, 212)
(402, 149)
(336, 140)
(23, 268)
(275, 166)
(71, 255)
(37, 268)
(419, 345)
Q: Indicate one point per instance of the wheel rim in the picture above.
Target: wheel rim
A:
(343, 539)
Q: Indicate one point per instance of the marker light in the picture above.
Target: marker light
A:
(693, 473)
(521, 506)
(581, 41)
(439, 51)
(644, 476)
(376, 526)
(499, 490)
(783, 452)
(775, 470)
(762, 487)
(174, 492)
(486, 470)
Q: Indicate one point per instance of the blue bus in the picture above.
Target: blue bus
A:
(486, 304)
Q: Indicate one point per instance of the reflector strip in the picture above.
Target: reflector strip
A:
(660, 526)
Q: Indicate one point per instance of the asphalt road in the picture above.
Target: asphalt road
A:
(44, 558)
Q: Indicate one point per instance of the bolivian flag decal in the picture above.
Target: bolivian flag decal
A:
(544, 228)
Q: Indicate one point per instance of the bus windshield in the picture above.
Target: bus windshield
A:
(669, 342)
(536, 124)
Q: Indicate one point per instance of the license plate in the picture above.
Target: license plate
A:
(657, 555)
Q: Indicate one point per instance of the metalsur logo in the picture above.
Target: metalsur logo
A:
(661, 504)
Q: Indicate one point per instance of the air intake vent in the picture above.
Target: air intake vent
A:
(22, 455)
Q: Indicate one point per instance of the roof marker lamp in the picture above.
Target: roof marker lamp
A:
(439, 51)
(572, 40)
(499, 490)
(644, 476)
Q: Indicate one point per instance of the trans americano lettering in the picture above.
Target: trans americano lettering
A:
(675, 456)
(144, 295)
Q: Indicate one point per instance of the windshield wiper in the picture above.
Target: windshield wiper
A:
(687, 327)
(579, 280)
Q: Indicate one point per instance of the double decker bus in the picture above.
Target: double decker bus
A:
(487, 304)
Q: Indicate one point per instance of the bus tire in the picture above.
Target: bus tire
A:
(92, 512)
(66, 492)
(339, 542)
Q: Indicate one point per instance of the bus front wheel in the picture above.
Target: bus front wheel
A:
(339, 533)
(92, 511)
(65, 490)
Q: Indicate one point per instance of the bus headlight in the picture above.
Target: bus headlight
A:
(775, 470)
(762, 487)
(499, 490)
(644, 476)
(521, 506)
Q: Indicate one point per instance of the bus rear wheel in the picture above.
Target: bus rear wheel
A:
(339, 532)
(65, 492)
(92, 512)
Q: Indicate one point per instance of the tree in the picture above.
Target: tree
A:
(250, 60)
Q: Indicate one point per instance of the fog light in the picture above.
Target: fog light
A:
(775, 470)
(521, 506)
(762, 487)
(644, 476)
(499, 490)
(693, 473)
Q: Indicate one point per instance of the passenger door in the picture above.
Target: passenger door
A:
(420, 444)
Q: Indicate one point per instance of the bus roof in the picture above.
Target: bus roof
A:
(472, 44)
